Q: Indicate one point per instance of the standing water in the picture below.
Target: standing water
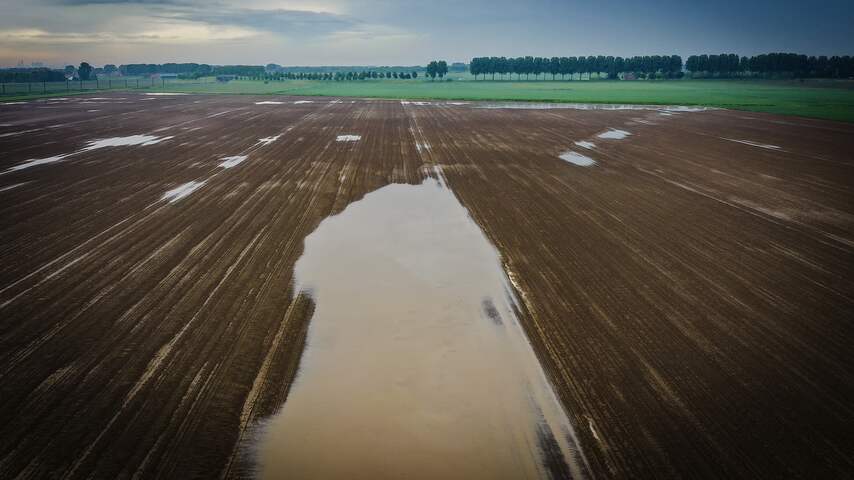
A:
(415, 365)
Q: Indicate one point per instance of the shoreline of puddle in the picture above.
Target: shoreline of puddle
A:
(415, 363)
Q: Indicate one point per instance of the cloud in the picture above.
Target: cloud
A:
(280, 21)
(169, 35)
(300, 22)
(123, 2)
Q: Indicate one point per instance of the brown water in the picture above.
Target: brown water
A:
(416, 366)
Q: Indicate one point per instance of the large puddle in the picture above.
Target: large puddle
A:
(132, 140)
(669, 109)
(416, 366)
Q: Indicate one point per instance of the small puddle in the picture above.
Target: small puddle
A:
(754, 144)
(268, 102)
(267, 140)
(416, 366)
(576, 158)
(587, 145)
(348, 138)
(14, 185)
(181, 191)
(614, 134)
(228, 162)
(129, 141)
(591, 106)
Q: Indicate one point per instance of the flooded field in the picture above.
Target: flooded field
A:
(241, 286)
(414, 354)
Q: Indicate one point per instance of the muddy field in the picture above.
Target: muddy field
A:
(686, 278)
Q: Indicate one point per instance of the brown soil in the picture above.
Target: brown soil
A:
(689, 296)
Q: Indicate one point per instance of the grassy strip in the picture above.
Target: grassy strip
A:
(828, 100)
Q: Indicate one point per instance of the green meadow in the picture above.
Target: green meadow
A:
(826, 99)
(832, 100)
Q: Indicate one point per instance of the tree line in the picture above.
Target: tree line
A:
(770, 65)
(275, 68)
(664, 66)
(337, 76)
(437, 69)
(143, 69)
(24, 75)
(191, 70)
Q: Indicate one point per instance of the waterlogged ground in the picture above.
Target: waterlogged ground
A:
(415, 365)
(683, 277)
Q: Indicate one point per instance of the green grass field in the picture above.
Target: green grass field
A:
(830, 100)
(819, 99)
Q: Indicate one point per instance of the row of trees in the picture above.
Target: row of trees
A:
(275, 68)
(770, 65)
(88, 72)
(190, 70)
(143, 69)
(667, 65)
(24, 75)
(337, 76)
(437, 69)
(372, 75)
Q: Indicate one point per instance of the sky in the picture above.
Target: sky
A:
(409, 32)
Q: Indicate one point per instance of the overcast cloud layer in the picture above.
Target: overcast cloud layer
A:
(408, 32)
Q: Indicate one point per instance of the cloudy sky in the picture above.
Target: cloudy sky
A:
(409, 32)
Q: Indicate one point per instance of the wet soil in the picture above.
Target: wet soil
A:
(688, 296)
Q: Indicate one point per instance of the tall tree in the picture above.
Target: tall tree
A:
(432, 69)
(84, 71)
(442, 68)
(554, 66)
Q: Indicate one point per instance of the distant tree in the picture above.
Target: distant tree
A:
(69, 71)
(84, 71)
(441, 68)
(473, 67)
(537, 67)
(554, 66)
(619, 66)
(414, 74)
(432, 69)
(110, 69)
(609, 66)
